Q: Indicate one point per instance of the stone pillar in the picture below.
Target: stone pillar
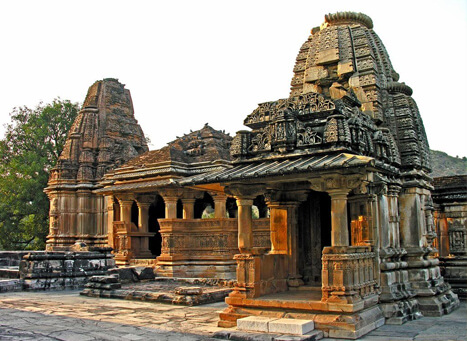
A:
(339, 224)
(245, 222)
(143, 215)
(443, 235)
(219, 206)
(109, 202)
(393, 198)
(188, 208)
(125, 210)
(170, 207)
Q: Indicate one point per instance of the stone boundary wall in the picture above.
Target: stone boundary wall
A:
(39, 270)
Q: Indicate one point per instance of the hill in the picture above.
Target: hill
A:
(445, 165)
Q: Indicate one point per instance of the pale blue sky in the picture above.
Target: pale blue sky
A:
(187, 63)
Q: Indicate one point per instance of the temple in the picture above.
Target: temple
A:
(321, 210)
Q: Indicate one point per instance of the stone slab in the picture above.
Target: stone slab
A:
(255, 323)
(291, 326)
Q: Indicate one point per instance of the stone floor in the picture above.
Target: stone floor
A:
(67, 316)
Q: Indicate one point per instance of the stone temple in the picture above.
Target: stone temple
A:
(321, 210)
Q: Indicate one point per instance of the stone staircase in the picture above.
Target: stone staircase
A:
(268, 328)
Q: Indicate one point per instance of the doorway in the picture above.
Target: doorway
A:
(314, 233)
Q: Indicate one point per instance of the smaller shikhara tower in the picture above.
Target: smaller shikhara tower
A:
(104, 135)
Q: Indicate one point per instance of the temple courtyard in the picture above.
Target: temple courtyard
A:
(65, 315)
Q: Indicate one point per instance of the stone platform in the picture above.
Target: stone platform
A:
(185, 291)
(37, 316)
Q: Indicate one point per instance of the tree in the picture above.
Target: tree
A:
(31, 146)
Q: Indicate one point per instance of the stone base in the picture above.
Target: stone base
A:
(333, 321)
(225, 269)
(455, 273)
(400, 312)
(438, 305)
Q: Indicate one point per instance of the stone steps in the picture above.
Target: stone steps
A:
(275, 329)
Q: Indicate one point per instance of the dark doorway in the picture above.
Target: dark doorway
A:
(314, 233)
(134, 214)
(156, 210)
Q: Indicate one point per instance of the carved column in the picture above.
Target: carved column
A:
(245, 194)
(188, 208)
(245, 222)
(109, 202)
(171, 196)
(143, 216)
(219, 205)
(170, 207)
(339, 229)
(125, 209)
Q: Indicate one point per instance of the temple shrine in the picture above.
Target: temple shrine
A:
(321, 210)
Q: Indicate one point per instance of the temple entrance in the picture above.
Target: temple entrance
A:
(314, 233)
(156, 210)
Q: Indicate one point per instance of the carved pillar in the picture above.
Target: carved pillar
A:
(188, 208)
(339, 229)
(393, 198)
(125, 210)
(244, 194)
(245, 222)
(443, 236)
(170, 207)
(143, 216)
(109, 202)
(219, 205)
(171, 196)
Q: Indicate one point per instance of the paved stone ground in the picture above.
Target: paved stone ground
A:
(67, 316)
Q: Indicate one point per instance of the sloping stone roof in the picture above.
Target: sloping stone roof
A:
(281, 167)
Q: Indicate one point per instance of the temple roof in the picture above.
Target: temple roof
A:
(206, 144)
(281, 168)
(200, 151)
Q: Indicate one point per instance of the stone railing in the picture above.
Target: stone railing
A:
(204, 247)
(129, 243)
(208, 236)
(348, 274)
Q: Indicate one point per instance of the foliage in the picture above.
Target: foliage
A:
(31, 146)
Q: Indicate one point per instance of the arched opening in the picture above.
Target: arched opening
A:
(156, 211)
(116, 207)
(134, 214)
(314, 233)
(231, 207)
(262, 210)
(179, 209)
(204, 208)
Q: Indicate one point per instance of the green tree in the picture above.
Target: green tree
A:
(31, 146)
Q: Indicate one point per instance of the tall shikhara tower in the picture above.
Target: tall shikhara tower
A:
(104, 135)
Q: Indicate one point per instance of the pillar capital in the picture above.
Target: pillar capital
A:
(340, 182)
(245, 191)
(244, 202)
(145, 199)
(171, 193)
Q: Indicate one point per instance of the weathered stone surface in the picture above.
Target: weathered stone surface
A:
(144, 273)
(255, 323)
(125, 275)
(189, 291)
(291, 326)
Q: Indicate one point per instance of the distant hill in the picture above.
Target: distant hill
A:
(443, 164)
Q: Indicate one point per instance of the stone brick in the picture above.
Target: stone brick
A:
(291, 326)
(255, 323)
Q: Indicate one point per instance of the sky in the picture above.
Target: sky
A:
(188, 63)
